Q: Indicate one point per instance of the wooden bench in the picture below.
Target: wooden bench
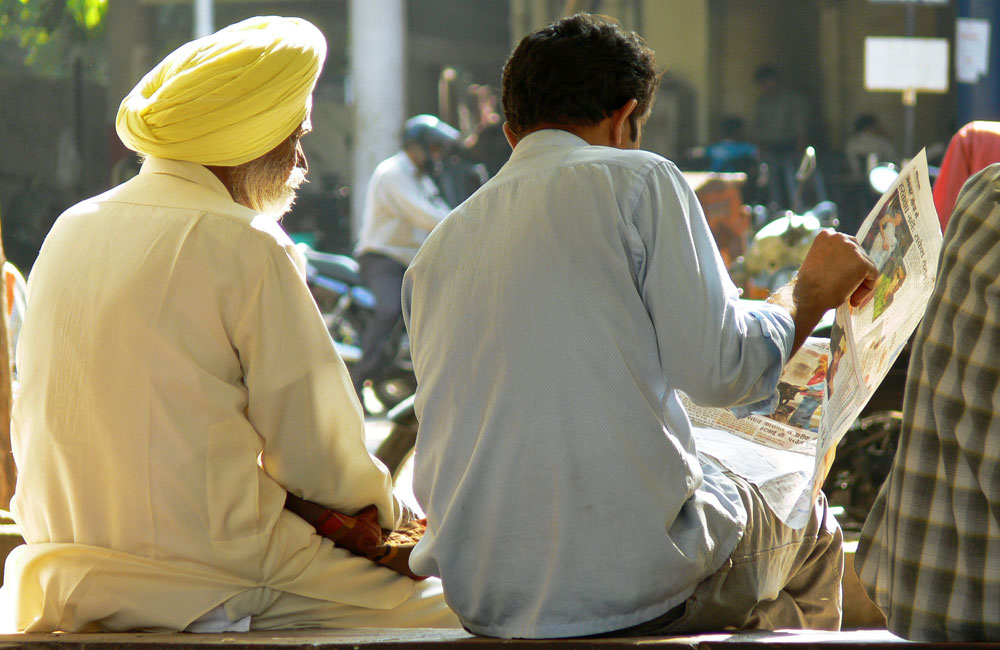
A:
(398, 639)
(864, 625)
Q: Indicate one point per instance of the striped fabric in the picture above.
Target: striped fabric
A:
(930, 550)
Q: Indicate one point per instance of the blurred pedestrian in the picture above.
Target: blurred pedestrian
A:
(780, 130)
(402, 206)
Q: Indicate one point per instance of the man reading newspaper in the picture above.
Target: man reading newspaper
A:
(553, 317)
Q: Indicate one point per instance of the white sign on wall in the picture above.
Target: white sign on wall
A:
(895, 63)
(972, 49)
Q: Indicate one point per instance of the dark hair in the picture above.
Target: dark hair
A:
(577, 71)
(765, 72)
(731, 126)
(864, 121)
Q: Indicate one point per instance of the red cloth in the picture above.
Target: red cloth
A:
(973, 148)
(361, 534)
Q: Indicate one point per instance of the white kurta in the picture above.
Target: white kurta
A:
(176, 379)
(401, 207)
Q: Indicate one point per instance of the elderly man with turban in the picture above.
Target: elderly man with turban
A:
(177, 381)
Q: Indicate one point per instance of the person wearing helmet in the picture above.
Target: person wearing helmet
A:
(402, 206)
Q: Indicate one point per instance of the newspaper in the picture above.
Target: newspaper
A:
(826, 384)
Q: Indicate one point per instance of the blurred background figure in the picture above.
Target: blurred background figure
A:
(780, 132)
(972, 149)
(869, 139)
(403, 204)
(735, 153)
(865, 148)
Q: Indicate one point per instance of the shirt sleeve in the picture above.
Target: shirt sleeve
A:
(403, 193)
(302, 402)
(718, 349)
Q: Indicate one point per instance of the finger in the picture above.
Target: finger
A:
(863, 291)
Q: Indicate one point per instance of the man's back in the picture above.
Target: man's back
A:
(563, 490)
(124, 294)
(929, 546)
(169, 343)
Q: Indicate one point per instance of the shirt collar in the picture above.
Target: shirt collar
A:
(406, 164)
(546, 139)
(189, 171)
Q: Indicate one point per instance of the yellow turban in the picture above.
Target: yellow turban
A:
(227, 98)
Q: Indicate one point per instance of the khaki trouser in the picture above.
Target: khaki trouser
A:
(776, 578)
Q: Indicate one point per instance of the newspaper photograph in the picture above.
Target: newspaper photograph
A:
(902, 236)
(827, 383)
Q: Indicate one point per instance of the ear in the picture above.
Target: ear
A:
(512, 139)
(619, 120)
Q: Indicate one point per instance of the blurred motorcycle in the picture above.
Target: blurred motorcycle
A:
(780, 243)
(346, 305)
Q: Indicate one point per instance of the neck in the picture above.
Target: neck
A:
(223, 174)
(592, 133)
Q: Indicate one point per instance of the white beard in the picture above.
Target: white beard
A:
(264, 185)
(280, 202)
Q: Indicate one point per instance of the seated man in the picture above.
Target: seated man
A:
(928, 550)
(553, 317)
(177, 380)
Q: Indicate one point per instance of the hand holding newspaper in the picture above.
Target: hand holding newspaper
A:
(825, 386)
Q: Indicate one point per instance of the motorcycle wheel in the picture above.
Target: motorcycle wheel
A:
(393, 389)
(398, 445)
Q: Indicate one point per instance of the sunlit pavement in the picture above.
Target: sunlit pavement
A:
(376, 430)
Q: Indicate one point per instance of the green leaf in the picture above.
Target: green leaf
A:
(88, 13)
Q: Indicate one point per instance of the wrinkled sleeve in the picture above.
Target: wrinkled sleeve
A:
(718, 349)
(302, 402)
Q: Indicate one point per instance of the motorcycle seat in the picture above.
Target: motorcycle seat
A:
(338, 267)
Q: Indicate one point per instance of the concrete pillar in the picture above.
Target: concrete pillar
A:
(678, 30)
(979, 99)
(378, 30)
(526, 16)
(204, 18)
(831, 61)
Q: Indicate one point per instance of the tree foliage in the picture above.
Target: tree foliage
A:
(50, 34)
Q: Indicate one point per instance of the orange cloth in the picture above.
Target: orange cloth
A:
(361, 534)
(973, 148)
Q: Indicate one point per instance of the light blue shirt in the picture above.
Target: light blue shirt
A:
(552, 316)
